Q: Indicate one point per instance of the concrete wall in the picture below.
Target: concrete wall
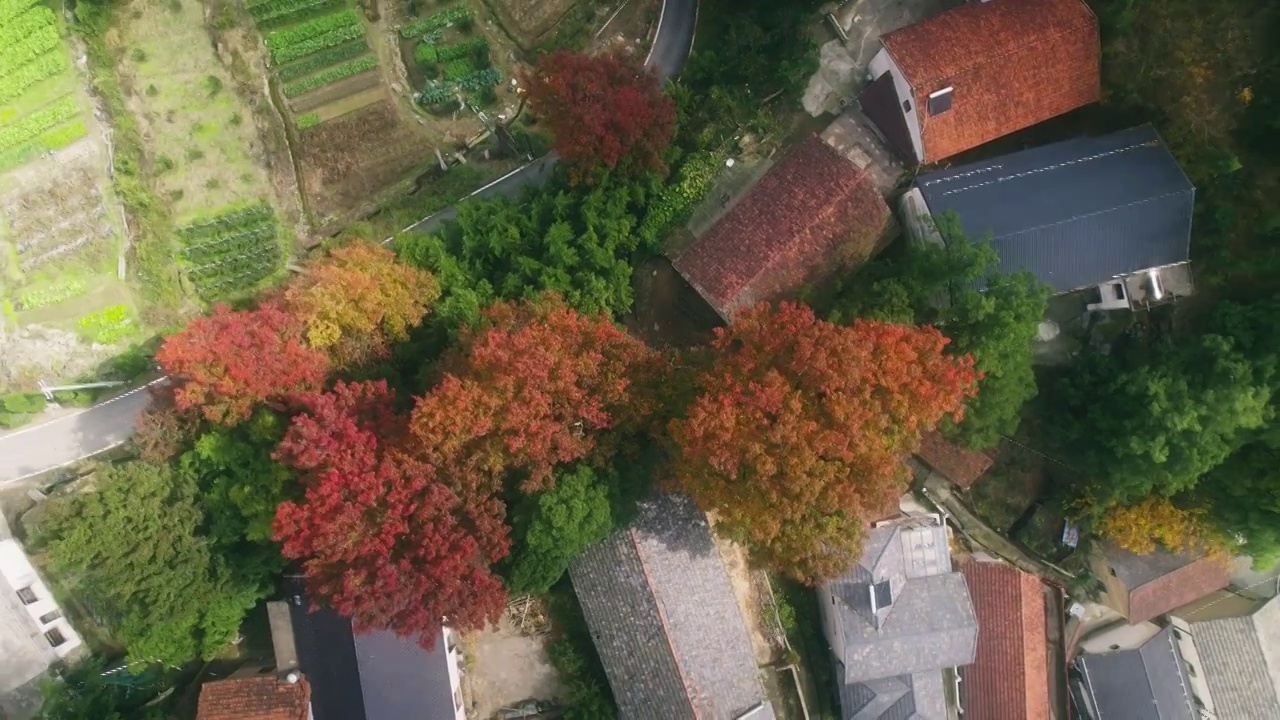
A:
(832, 626)
(1187, 648)
(28, 629)
(882, 63)
(450, 640)
(1118, 636)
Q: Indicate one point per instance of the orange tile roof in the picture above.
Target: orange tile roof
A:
(811, 214)
(1009, 678)
(961, 466)
(1012, 64)
(263, 697)
(1175, 589)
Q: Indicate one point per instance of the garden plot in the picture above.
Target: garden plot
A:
(231, 253)
(202, 145)
(60, 223)
(451, 59)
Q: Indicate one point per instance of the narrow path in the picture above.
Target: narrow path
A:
(939, 490)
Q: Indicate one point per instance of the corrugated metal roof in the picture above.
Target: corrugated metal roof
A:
(1074, 213)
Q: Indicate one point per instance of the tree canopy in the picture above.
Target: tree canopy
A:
(799, 426)
(604, 111)
(991, 316)
(226, 363)
(557, 525)
(381, 537)
(135, 550)
(357, 300)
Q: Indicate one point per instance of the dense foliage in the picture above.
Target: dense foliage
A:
(135, 550)
(988, 315)
(577, 242)
(557, 525)
(799, 427)
(605, 112)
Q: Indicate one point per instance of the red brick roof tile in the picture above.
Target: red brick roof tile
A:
(810, 215)
(1009, 678)
(961, 466)
(1012, 64)
(1175, 589)
(264, 697)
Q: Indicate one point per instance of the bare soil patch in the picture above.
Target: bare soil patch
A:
(351, 103)
(347, 162)
(506, 665)
(336, 92)
(532, 19)
(668, 312)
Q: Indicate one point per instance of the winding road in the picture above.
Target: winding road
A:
(34, 450)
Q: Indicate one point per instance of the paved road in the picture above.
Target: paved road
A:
(671, 47)
(31, 451)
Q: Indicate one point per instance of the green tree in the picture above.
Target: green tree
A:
(987, 314)
(575, 241)
(1243, 496)
(558, 525)
(133, 549)
(240, 487)
(81, 694)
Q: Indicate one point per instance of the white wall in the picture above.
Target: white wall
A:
(883, 63)
(450, 640)
(1187, 648)
(20, 575)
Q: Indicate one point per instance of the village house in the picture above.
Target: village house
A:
(665, 620)
(33, 632)
(960, 465)
(1144, 587)
(1147, 683)
(1009, 677)
(266, 691)
(981, 71)
(1232, 656)
(899, 623)
(1111, 212)
(815, 213)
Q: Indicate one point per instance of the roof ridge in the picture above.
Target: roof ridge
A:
(987, 59)
(1154, 142)
(662, 619)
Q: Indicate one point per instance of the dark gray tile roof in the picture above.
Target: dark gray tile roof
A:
(1240, 660)
(929, 625)
(401, 680)
(1145, 684)
(665, 620)
(1074, 213)
(904, 697)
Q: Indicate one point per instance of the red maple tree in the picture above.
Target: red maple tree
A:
(538, 385)
(603, 111)
(225, 363)
(381, 540)
(797, 435)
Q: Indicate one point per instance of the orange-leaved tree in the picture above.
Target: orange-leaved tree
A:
(798, 431)
(357, 300)
(227, 363)
(537, 385)
(604, 111)
(381, 538)
(1156, 521)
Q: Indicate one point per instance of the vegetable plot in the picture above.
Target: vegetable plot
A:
(231, 252)
(332, 75)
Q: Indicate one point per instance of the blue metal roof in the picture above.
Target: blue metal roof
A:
(1074, 213)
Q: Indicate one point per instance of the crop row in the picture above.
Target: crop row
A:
(272, 9)
(60, 291)
(229, 244)
(281, 39)
(237, 278)
(107, 325)
(45, 66)
(322, 60)
(316, 44)
(37, 122)
(444, 18)
(251, 216)
(51, 140)
(441, 92)
(31, 47)
(9, 8)
(332, 75)
(14, 30)
(425, 53)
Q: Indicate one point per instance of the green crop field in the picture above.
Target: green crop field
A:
(231, 252)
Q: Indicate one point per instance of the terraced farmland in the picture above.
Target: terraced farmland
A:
(351, 142)
(454, 61)
(58, 215)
